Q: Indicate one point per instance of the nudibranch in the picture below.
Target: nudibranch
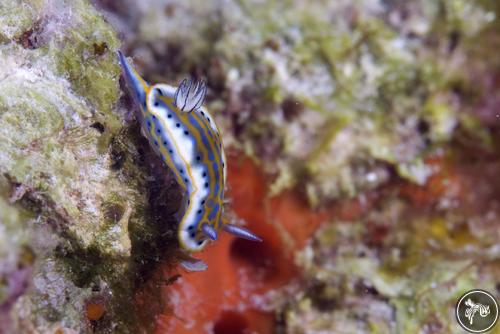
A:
(185, 136)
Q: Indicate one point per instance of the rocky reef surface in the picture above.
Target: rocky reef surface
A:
(370, 137)
(73, 192)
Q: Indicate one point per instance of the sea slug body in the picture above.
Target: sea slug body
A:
(185, 136)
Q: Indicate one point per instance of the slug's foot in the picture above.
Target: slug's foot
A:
(191, 264)
(190, 95)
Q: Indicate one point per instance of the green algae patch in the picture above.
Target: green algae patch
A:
(85, 55)
(17, 17)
